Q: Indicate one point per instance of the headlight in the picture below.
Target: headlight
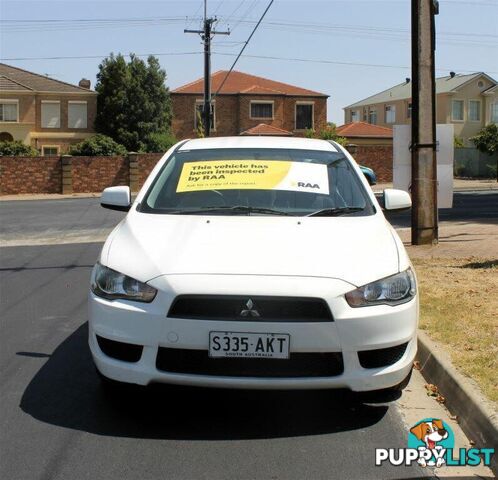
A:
(108, 283)
(394, 290)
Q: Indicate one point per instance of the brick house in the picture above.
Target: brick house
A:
(48, 114)
(246, 102)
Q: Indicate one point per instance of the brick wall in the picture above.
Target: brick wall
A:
(30, 175)
(93, 174)
(146, 162)
(377, 157)
(26, 175)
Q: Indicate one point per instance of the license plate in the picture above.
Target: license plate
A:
(249, 345)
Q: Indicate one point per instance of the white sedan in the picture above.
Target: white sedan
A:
(261, 262)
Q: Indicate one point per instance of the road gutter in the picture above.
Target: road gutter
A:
(477, 416)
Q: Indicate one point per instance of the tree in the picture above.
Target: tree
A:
(15, 148)
(486, 140)
(98, 145)
(159, 142)
(133, 102)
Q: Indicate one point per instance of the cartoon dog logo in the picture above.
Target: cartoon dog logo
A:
(430, 432)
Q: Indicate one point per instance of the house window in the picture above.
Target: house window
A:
(49, 151)
(77, 114)
(409, 111)
(199, 107)
(372, 116)
(390, 113)
(457, 110)
(304, 116)
(261, 109)
(475, 110)
(9, 111)
(494, 112)
(355, 116)
(50, 114)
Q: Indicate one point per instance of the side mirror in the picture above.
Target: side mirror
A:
(116, 198)
(396, 199)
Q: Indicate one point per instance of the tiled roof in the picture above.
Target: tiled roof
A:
(38, 83)
(362, 129)
(243, 83)
(9, 84)
(264, 129)
(403, 91)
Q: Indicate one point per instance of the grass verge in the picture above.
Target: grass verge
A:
(459, 309)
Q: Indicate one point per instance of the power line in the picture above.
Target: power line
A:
(350, 64)
(236, 9)
(82, 57)
(195, 14)
(262, 57)
(244, 47)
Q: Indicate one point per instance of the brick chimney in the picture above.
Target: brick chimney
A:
(84, 83)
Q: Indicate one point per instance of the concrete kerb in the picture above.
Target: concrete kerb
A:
(477, 416)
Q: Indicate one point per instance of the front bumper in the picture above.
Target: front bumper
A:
(353, 330)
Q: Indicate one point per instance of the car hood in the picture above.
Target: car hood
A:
(357, 250)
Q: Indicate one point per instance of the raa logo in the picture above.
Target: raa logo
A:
(305, 185)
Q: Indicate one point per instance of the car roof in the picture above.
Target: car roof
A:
(258, 142)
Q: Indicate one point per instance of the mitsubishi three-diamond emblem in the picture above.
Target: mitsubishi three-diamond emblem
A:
(250, 311)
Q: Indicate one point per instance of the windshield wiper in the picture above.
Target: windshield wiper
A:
(335, 212)
(235, 209)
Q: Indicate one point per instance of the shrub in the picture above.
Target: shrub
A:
(328, 132)
(15, 148)
(458, 142)
(159, 142)
(98, 145)
(486, 140)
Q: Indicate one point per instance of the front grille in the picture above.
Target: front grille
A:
(250, 308)
(198, 362)
(126, 352)
(382, 357)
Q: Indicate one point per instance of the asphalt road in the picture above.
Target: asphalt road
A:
(73, 218)
(58, 423)
(475, 207)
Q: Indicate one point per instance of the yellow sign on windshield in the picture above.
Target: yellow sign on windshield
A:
(253, 175)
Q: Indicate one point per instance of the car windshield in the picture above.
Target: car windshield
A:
(253, 181)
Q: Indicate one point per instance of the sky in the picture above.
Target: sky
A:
(347, 49)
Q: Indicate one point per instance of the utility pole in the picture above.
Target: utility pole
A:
(423, 144)
(206, 34)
